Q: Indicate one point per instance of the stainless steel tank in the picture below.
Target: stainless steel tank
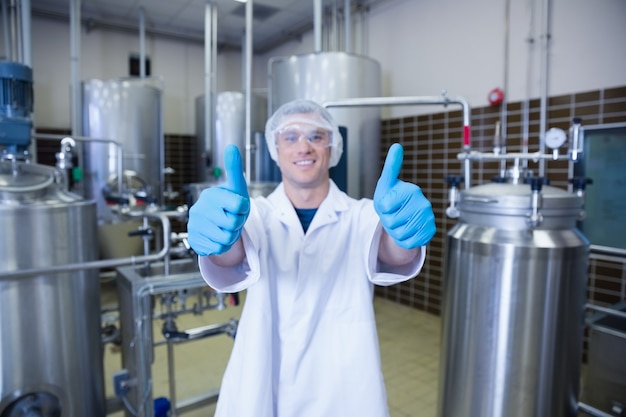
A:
(51, 354)
(230, 128)
(203, 149)
(329, 76)
(230, 125)
(513, 313)
(129, 112)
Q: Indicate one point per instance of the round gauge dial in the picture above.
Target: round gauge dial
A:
(555, 138)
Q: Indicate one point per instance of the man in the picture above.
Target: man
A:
(308, 256)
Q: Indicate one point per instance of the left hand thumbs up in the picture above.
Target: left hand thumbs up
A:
(406, 215)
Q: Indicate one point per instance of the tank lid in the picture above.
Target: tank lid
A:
(22, 179)
(512, 199)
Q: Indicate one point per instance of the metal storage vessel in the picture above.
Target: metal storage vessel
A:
(330, 76)
(230, 127)
(129, 112)
(51, 355)
(514, 299)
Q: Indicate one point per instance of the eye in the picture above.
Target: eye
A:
(315, 137)
(289, 136)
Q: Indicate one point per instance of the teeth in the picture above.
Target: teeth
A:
(304, 162)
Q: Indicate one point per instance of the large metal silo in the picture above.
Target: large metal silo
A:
(51, 355)
(330, 76)
(230, 128)
(128, 112)
(514, 297)
(230, 125)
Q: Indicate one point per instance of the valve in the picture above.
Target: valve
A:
(498, 179)
(536, 183)
(145, 232)
(576, 139)
(453, 183)
(64, 156)
(579, 184)
(115, 200)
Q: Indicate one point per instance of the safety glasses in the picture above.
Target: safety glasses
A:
(290, 136)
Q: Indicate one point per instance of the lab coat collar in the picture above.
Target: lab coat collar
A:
(336, 201)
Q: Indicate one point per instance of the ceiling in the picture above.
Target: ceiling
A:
(274, 21)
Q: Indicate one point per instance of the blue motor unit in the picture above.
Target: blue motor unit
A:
(16, 105)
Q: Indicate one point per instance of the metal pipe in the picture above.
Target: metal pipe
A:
(592, 411)
(198, 401)
(334, 29)
(13, 56)
(26, 41)
(317, 25)
(487, 156)
(200, 333)
(142, 43)
(213, 64)
(106, 263)
(545, 73)
(409, 100)
(605, 310)
(208, 68)
(347, 19)
(605, 250)
(212, 98)
(120, 151)
(505, 86)
(5, 30)
(418, 100)
(529, 68)
(164, 284)
(171, 376)
(75, 27)
(248, 90)
(152, 286)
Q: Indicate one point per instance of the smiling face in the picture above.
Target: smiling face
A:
(303, 153)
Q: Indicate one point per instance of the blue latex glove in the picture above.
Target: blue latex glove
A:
(406, 215)
(216, 219)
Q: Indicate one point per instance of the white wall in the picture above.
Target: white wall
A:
(423, 46)
(426, 46)
(178, 67)
(459, 46)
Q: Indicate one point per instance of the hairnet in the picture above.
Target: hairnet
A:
(297, 107)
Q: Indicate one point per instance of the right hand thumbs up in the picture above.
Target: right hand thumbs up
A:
(216, 219)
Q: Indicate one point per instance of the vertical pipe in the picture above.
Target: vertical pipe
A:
(213, 60)
(505, 86)
(317, 24)
(545, 66)
(208, 66)
(13, 29)
(75, 19)
(5, 30)
(142, 43)
(171, 371)
(248, 89)
(347, 26)
(171, 377)
(19, 55)
(213, 97)
(26, 40)
(334, 45)
(529, 68)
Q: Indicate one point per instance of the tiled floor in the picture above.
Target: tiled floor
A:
(409, 342)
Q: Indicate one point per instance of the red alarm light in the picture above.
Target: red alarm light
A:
(495, 97)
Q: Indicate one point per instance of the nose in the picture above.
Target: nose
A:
(302, 139)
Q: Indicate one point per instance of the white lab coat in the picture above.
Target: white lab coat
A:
(306, 344)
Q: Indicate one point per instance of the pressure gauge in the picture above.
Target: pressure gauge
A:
(555, 138)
